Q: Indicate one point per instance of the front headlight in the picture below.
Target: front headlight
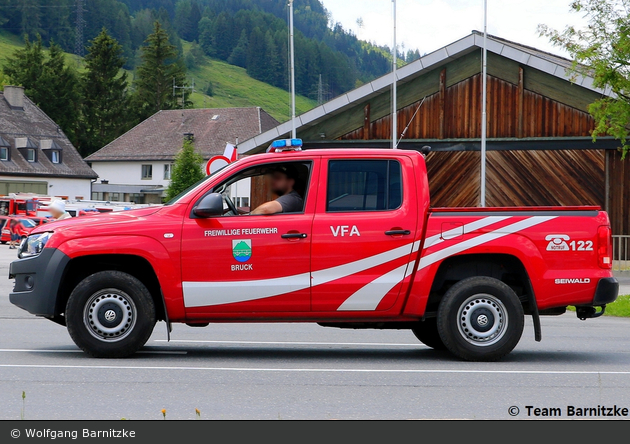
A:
(34, 244)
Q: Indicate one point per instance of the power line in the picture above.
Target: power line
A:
(35, 6)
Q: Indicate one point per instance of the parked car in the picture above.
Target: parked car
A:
(41, 220)
(24, 227)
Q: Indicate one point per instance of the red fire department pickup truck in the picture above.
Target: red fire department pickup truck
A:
(365, 251)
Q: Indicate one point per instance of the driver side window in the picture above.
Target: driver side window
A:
(240, 194)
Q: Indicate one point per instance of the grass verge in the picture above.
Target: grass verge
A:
(620, 308)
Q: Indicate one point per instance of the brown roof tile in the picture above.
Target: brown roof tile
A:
(160, 137)
(32, 123)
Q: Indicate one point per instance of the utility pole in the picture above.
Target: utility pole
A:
(484, 98)
(183, 89)
(292, 49)
(320, 91)
(79, 48)
(394, 88)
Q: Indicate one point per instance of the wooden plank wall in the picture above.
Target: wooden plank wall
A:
(454, 178)
(619, 193)
(568, 177)
(518, 178)
(545, 178)
(539, 116)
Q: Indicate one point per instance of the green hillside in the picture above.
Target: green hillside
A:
(8, 44)
(232, 87)
(231, 84)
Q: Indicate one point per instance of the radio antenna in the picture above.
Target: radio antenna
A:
(411, 120)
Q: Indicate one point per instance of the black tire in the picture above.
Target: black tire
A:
(110, 314)
(427, 332)
(480, 319)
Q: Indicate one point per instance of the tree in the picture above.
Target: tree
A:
(256, 52)
(239, 54)
(48, 82)
(25, 67)
(194, 18)
(223, 40)
(602, 51)
(104, 87)
(186, 170)
(58, 92)
(160, 68)
(182, 20)
(206, 40)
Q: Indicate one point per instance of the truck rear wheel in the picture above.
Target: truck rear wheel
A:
(427, 332)
(480, 319)
(110, 314)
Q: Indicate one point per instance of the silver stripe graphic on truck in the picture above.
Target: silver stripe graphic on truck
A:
(202, 294)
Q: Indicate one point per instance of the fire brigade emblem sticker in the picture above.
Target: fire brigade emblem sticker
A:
(242, 249)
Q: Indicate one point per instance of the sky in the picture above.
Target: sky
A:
(428, 25)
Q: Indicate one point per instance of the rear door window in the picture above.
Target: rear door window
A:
(363, 185)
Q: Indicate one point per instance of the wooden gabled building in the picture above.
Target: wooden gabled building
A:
(540, 148)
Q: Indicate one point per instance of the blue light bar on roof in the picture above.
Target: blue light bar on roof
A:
(287, 143)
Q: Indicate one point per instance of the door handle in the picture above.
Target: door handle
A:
(398, 233)
(294, 236)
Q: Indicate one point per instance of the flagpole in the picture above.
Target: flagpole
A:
(293, 129)
(484, 96)
(394, 88)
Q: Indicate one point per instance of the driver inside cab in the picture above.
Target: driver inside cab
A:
(283, 180)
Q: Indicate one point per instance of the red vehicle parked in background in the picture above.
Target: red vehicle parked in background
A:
(22, 226)
(365, 251)
(19, 205)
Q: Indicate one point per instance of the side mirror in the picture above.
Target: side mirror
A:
(211, 205)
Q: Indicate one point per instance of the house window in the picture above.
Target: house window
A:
(168, 170)
(30, 155)
(115, 197)
(241, 201)
(147, 172)
(4, 153)
(54, 156)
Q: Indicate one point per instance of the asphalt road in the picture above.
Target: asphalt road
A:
(301, 371)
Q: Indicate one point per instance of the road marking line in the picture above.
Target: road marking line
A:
(321, 370)
(162, 352)
(379, 344)
(148, 352)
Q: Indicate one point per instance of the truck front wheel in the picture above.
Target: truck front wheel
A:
(480, 319)
(110, 314)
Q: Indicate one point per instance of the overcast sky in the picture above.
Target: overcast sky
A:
(431, 24)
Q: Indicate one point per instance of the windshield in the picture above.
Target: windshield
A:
(28, 223)
(195, 185)
(183, 193)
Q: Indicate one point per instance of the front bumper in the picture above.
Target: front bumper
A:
(37, 281)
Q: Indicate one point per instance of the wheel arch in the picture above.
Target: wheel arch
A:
(505, 267)
(81, 267)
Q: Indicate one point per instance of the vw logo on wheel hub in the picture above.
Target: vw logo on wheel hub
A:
(482, 320)
(110, 315)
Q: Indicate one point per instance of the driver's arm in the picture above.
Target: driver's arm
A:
(272, 207)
